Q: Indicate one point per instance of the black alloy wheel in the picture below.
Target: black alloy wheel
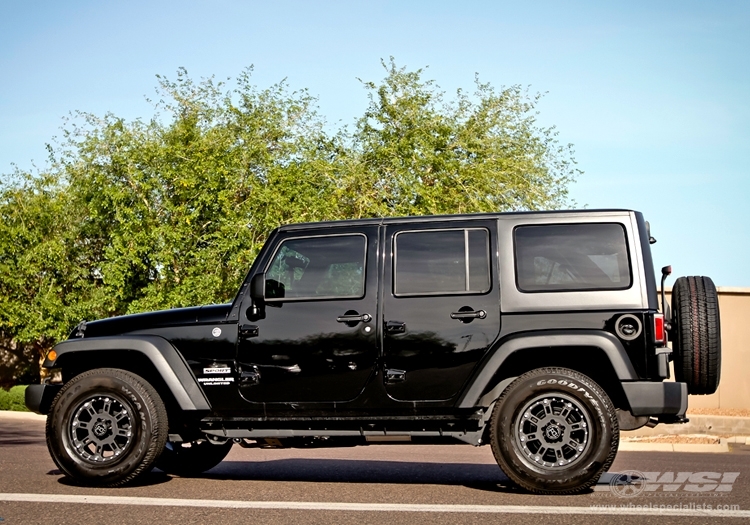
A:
(106, 428)
(554, 431)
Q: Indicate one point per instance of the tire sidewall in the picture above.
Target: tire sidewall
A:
(602, 422)
(59, 423)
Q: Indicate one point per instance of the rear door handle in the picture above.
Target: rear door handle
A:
(395, 327)
(348, 318)
(478, 314)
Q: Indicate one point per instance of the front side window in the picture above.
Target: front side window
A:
(571, 257)
(442, 262)
(318, 268)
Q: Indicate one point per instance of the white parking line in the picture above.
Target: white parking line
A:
(688, 510)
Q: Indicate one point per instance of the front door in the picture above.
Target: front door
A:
(442, 306)
(313, 338)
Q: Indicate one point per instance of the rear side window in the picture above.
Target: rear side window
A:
(439, 262)
(571, 257)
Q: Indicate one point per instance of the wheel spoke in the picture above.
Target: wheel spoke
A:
(105, 432)
(555, 417)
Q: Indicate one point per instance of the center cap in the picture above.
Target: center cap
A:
(100, 429)
(553, 432)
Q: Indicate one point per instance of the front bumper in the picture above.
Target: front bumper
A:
(38, 398)
(657, 399)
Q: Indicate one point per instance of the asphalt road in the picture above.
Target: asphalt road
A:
(375, 484)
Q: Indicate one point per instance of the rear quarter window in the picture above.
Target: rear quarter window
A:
(571, 257)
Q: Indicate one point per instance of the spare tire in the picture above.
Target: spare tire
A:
(695, 334)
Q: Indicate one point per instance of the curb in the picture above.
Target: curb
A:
(699, 424)
(704, 448)
(21, 416)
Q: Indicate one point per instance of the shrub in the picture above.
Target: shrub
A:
(13, 399)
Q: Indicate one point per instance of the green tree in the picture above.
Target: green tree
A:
(171, 211)
(424, 155)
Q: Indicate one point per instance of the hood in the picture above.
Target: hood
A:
(216, 313)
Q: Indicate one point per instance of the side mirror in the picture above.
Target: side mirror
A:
(258, 286)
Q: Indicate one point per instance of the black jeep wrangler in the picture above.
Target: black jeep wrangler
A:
(538, 333)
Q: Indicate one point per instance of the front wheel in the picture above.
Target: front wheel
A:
(106, 427)
(554, 431)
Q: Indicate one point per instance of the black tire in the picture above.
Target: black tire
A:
(193, 458)
(696, 334)
(106, 428)
(554, 413)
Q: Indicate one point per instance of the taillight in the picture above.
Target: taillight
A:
(659, 334)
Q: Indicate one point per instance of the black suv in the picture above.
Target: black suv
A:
(538, 333)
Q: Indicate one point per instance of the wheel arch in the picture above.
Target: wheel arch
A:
(151, 357)
(598, 355)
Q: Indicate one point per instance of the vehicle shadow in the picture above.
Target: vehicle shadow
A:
(477, 476)
(15, 435)
(155, 477)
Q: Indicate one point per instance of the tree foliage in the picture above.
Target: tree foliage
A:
(138, 215)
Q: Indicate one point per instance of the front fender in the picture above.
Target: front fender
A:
(603, 341)
(167, 361)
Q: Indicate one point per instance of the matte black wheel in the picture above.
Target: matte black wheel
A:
(107, 427)
(193, 458)
(696, 334)
(554, 431)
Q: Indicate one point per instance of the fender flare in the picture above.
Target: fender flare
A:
(167, 361)
(603, 341)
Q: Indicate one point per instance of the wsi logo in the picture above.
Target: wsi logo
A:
(631, 483)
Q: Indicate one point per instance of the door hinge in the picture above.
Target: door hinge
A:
(248, 330)
(393, 375)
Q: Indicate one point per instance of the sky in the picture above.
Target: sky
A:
(654, 96)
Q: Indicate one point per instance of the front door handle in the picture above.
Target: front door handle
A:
(395, 327)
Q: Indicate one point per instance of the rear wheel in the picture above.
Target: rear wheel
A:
(106, 427)
(696, 334)
(192, 458)
(554, 431)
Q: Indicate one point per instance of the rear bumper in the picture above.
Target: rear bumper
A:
(656, 399)
(39, 398)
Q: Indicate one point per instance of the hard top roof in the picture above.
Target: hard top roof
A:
(434, 218)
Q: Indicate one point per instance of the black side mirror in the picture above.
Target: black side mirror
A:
(258, 286)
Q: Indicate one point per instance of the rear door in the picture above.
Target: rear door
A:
(441, 306)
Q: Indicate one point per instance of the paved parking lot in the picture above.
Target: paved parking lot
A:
(375, 484)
